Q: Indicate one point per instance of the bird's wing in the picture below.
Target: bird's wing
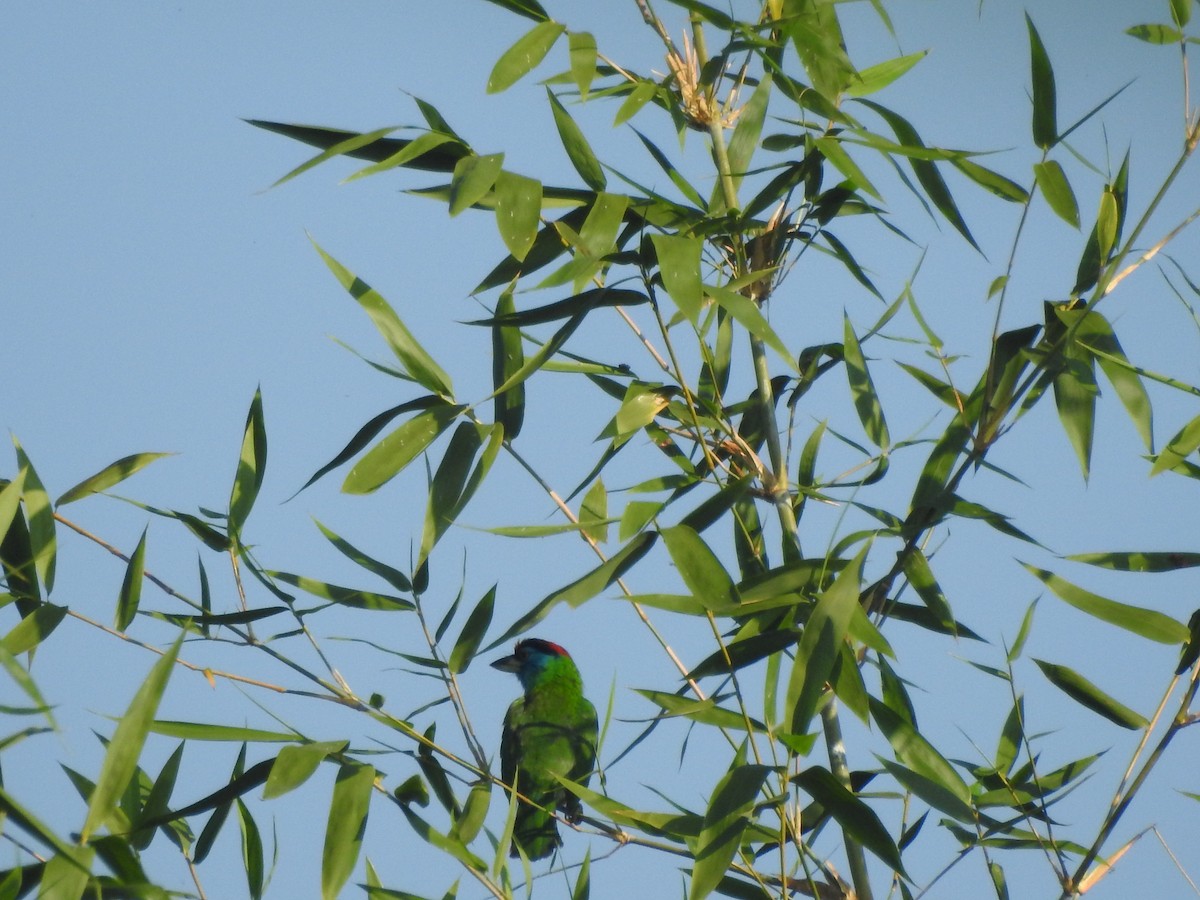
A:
(510, 747)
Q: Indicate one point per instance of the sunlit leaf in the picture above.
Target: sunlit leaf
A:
(1052, 181)
(518, 211)
(1148, 623)
(1155, 33)
(472, 633)
(33, 628)
(519, 59)
(1087, 694)
(40, 518)
(862, 389)
(131, 586)
(473, 179)
(392, 454)
(1045, 103)
(876, 77)
(121, 758)
(724, 821)
(578, 150)
(110, 475)
(345, 827)
(295, 764)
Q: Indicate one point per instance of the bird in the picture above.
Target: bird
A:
(551, 730)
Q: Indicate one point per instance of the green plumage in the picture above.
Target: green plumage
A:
(551, 730)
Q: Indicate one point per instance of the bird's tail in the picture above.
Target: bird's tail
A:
(535, 831)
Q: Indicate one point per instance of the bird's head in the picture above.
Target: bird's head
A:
(530, 658)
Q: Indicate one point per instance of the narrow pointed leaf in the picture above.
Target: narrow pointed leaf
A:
(746, 134)
(857, 819)
(473, 633)
(1148, 623)
(724, 821)
(700, 569)
(121, 758)
(131, 587)
(679, 265)
(33, 628)
(821, 643)
(66, 875)
(394, 577)
(390, 456)
(1140, 560)
(473, 179)
(40, 517)
(1179, 448)
(252, 464)
(416, 361)
(1045, 103)
(750, 317)
(862, 389)
(1087, 694)
(446, 489)
(345, 827)
(1052, 181)
(110, 475)
(519, 59)
(578, 150)
(583, 60)
(518, 211)
(876, 77)
(295, 764)
(252, 851)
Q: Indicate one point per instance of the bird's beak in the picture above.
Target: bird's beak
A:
(507, 664)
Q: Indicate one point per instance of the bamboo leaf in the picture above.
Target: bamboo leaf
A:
(473, 179)
(700, 569)
(877, 77)
(296, 763)
(1140, 560)
(390, 456)
(110, 475)
(862, 389)
(345, 827)
(821, 643)
(472, 633)
(40, 517)
(33, 628)
(252, 851)
(519, 59)
(449, 482)
(1155, 33)
(121, 758)
(724, 821)
(518, 211)
(252, 465)
(578, 150)
(1087, 694)
(1179, 448)
(1052, 181)
(131, 587)
(920, 767)
(679, 264)
(583, 60)
(1045, 104)
(508, 356)
(857, 818)
(417, 363)
(1147, 623)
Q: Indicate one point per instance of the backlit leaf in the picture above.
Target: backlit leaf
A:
(529, 50)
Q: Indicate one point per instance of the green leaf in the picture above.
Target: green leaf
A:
(343, 596)
(920, 576)
(473, 632)
(750, 317)
(508, 356)
(449, 845)
(1179, 448)
(1147, 623)
(530, 9)
(821, 643)
(1087, 694)
(201, 731)
(583, 589)
(252, 464)
(940, 784)
(1156, 34)
(519, 59)
(831, 148)
(679, 264)
(1140, 560)
(112, 474)
(701, 571)
(295, 764)
(578, 150)
(252, 851)
(1052, 181)
(449, 482)
(33, 628)
(726, 818)
(348, 143)
(66, 875)
(745, 137)
(862, 389)
(583, 60)
(121, 758)
(345, 827)
(875, 78)
(390, 456)
(857, 819)
(473, 178)
(1045, 104)
(1022, 633)
(518, 211)
(593, 513)
(642, 94)
(131, 586)
(409, 150)
(417, 363)
(394, 577)
(1181, 12)
(40, 515)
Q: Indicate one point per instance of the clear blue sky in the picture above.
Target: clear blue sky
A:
(149, 284)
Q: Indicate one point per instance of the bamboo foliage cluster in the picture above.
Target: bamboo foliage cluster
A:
(729, 480)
